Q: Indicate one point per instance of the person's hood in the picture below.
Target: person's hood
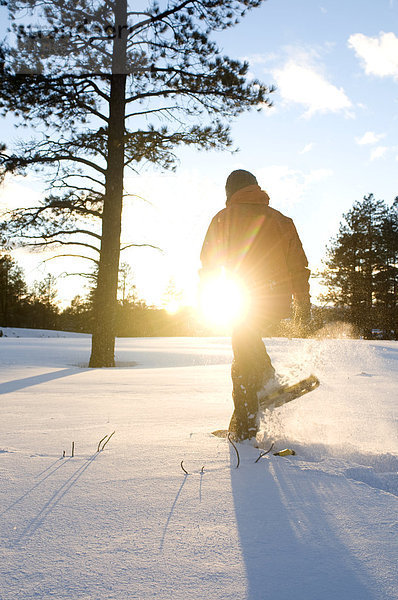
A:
(252, 194)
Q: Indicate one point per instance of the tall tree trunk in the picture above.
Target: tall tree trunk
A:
(6, 298)
(105, 298)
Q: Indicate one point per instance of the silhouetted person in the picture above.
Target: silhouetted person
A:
(261, 247)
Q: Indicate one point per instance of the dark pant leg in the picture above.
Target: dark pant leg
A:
(250, 364)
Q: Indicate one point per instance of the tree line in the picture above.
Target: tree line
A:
(23, 307)
(38, 307)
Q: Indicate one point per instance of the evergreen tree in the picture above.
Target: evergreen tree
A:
(361, 265)
(127, 289)
(13, 292)
(100, 79)
(386, 292)
(43, 309)
(172, 298)
(77, 316)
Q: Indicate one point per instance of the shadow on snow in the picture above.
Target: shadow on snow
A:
(20, 384)
(290, 538)
(52, 502)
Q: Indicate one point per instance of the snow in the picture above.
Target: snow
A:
(127, 523)
(35, 333)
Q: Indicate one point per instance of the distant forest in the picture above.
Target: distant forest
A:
(37, 307)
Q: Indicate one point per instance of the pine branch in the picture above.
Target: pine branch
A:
(154, 110)
(60, 242)
(84, 176)
(159, 17)
(72, 256)
(14, 162)
(97, 89)
(141, 246)
(68, 232)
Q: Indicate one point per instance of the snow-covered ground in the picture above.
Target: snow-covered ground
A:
(35, 333)
(127, 523)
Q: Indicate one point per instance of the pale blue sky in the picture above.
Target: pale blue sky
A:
(330, 139)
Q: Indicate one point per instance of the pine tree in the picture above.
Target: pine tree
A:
(172, 299)
(13, 292)
(43, 306)
(127, 288)
(361, 265)
(386, 293)
(101, 79)
(77, 316)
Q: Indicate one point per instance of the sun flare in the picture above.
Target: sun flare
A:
(173, 306)
(224, 301)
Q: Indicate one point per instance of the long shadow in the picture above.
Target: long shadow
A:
(20, 384)
(171, 513)
(54, 467)
(289, 547)
(385, 352)
(52, 502)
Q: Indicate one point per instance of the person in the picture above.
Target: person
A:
(259, 246)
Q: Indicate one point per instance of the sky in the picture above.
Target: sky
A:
(330, 138)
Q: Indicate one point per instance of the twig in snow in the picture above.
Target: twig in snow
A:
(264, 453)
(100, 442)
(105, 443)
(182, 467)
(236, 450)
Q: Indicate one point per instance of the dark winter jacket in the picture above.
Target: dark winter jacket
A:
(261, 246)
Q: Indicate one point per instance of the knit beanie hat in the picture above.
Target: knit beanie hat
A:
(238, 180)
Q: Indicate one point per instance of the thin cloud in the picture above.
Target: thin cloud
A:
(307, 148)
(303, 82)
(378, 152)
(287, 186)
(370, 137)
(379, 55)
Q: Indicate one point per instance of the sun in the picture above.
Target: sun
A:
(173, 306)
(224, 301)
